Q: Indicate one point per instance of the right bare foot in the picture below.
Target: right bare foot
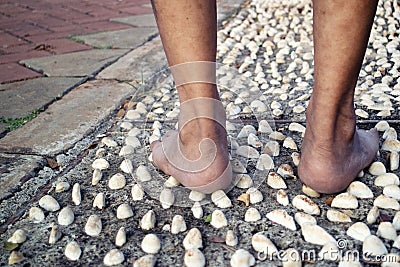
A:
(197, 155)
(330, 163)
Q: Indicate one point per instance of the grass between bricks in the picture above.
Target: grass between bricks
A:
(13, 124)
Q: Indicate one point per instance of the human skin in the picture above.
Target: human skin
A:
(333, 151)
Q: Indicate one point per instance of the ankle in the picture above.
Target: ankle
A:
(330, 126)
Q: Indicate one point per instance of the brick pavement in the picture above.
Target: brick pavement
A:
(31, 29)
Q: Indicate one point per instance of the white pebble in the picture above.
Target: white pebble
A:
(193, 239)
(386, 202)
(305, 204)
(36, 215)
(242, 258)
(113, 257)
(171, 182)
(117, 181)
(197, 210)
(282, 198)
(126, 166)
(218, 219)
(255, 195)
(301, 218)
(145, 261)
(386, 230)
(373, 245)
(392, 191)
(196, 195)
(99, 201)
(231, 238)
(386, 179)
(252, 215)
(55, 235)
(124, 211)
(377, 168)
(120, 238)
(109, 142)
(18, 237)
(137, 192)
(358, 231)
(167, 198)
(76, 194)
(148, 221)
(49, 203)
(337, 216)
(178, 224)
(151, 244)
(315, 234)
(281, 217)
(360, 190)
(100, 164)
(66, 216)
(194, 258)
(96, 177)
(261, 243)
(93, 225)
(220, 199)
(248, 152)
(143, 174)
(373, 215)
(275, 181)
(345, 201)
(62, 186)
(244, 181)
(72, 251)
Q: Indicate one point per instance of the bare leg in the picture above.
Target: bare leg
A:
(188, 32)
(333, 151)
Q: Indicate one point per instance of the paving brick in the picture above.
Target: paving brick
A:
(143, 62)
(136, 10)
(16, 57)
(17, 97)
(7, 40)
(66, 14)
(129, 38)
(38, 39)
(147, 20)
(70, 29)
(12, 9)
(14, 72)
(103, 26)
(68, 120)
(78, 64)
(63, 46)
(48, 22)
(28, 30)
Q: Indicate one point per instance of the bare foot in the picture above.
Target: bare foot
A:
(330, 165)
(197, 155)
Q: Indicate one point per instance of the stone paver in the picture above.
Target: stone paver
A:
(144, 61)
(78, 64)
(147, 20)
(16, 98)
(130, 38)
(16, 169)
(24, 23)
(15, 72)
(66, 121)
